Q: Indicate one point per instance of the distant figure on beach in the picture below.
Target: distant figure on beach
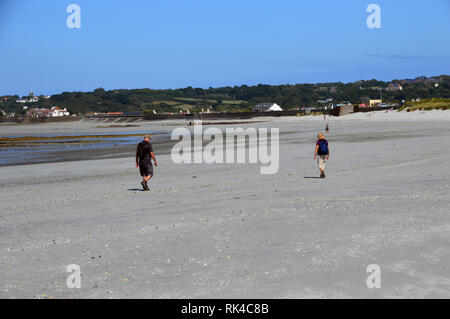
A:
(322, 153)
(144, 156)
(326, 118)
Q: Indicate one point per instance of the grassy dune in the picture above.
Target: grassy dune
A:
(428, 104)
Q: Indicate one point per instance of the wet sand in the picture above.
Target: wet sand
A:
(83, 140)
(225, 231)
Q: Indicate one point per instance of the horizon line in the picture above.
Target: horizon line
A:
(240, 85)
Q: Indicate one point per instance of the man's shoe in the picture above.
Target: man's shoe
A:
(144, 185)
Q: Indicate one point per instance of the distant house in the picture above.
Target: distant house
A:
(267, 107)
(57, 112)
(31, 99)
(38, 112)
(44, 112)
(374, 102)
(394, 87)
(328, 100)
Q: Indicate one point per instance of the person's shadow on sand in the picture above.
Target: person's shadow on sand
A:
(135, 190)
(311, 177)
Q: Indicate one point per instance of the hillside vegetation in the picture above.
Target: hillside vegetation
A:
(238, 98)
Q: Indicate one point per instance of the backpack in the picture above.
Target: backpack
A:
(323, 147)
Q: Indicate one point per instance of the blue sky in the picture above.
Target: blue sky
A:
(201, 43)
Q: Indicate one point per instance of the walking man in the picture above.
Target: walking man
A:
(144, 156)
(322, 153)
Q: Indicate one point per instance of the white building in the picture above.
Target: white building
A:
(267, 107)
(56, 112)
(29, 100)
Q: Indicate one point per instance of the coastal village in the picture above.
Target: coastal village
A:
(35, 112)
(40, 107)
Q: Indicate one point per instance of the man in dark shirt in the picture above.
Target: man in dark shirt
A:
(144, 156)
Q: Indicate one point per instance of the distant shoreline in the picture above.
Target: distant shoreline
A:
(38, 120)
(82, 148)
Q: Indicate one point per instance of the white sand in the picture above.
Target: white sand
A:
(231, 232)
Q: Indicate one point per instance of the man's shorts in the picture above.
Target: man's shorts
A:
(146, 168)
(321, 161)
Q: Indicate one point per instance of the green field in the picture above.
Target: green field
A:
(188, 99)
(166, 102)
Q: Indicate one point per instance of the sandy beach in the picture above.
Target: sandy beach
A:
(226, 231)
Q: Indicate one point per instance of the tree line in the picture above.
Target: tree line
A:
(237, 98)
